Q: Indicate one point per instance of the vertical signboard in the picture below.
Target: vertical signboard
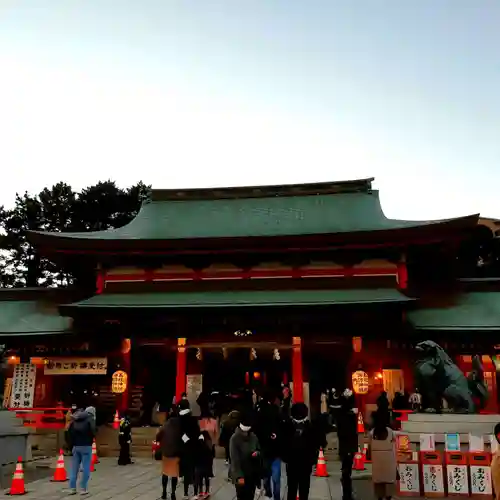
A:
(23, 386)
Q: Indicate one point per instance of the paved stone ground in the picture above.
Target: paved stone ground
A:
(141, 481)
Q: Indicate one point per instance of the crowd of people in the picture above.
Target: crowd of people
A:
(257, 439)
(258, 435)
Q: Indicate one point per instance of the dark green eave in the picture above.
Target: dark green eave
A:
(172, 218)
(30, 318)
(212, 299)
(474, 311)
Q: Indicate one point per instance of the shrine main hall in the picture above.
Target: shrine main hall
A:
(221, 289)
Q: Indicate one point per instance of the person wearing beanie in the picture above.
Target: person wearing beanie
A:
(229, 426)
(190, 434)
(302, 443)
(245, 466)
(82, 431)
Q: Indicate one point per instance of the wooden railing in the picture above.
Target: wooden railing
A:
(42, 418)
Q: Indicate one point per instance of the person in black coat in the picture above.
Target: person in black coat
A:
(383, 408)
(245, 466)
(301, 444)
(190, 434)
(124, 440)
(270, 432)
(347, 433)
(204, 465)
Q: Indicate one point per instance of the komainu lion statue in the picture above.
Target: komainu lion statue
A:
(439, 378)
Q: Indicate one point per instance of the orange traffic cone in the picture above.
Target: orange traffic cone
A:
(321, 466)
(60, 475)
(17, 486)
(361, 425)
(95, 458)
(116, 421)
(359, 461)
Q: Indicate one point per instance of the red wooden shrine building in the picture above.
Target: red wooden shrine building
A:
(216, 289)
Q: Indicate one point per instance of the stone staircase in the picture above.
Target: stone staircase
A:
(108, 401)
(142, 438)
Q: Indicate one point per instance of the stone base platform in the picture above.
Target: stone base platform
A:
(440, 424)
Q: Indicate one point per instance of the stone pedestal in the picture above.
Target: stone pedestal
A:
(439, 425)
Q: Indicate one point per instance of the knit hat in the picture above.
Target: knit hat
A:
(91, 411)
(299, 411)
(246, 419)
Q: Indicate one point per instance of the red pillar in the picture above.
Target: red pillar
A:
(100, 281)
(126, 350)
(402, 275)
(180, 379)
(298, 383)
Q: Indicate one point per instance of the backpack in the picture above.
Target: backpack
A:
(81, 428)
(300, 445)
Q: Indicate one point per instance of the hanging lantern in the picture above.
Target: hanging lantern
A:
(360, 382)
(39, 361)
(126, 346)
(119, 381)
(253, 354)
(357, 344)
(199, 355)
(276, 355)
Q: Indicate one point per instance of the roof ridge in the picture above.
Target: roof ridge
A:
(264, 191)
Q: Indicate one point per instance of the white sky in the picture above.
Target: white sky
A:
(193, 93)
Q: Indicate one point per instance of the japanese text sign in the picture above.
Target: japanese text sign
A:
(458, 482)
(433, 480)
(480, 480)
(23, 386)
(76, 366)
(409, 482)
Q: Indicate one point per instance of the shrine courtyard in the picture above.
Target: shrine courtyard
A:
(141, 481)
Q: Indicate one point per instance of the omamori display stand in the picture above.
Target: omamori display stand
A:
(440, 424)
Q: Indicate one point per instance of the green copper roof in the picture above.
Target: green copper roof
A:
(310, 209)
(24, 318)
(471, 311)
(241, 299)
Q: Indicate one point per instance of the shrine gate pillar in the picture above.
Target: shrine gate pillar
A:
(125, 351)
(297, 378)
(180, 378)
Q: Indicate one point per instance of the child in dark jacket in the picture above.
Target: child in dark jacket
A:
(204, 465)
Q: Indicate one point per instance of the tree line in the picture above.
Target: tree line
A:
(62, 209)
